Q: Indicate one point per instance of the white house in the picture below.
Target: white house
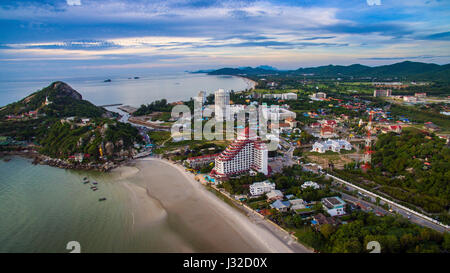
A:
(334, 205)
(331, 145)
(259, 188)
(274, 195)
(311, 184)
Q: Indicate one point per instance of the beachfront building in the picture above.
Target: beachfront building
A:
(274, 195)
(281, 206)
(200, 161)
(259, 188)
(247, 152)
(222, 105)
(331, 145)
(334, 205)
(382, 92)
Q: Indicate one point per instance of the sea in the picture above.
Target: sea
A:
(43, 208)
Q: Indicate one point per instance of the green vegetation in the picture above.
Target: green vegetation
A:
(63, 140)
(64, 102)
(421, 116)
(413, 167)
(156, 106)
(395, 235)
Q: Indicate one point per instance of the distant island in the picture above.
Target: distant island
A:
(404, 70)
(57, 127)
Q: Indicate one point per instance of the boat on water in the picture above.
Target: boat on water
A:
(94, 182)
(102, 199)
(85, 182)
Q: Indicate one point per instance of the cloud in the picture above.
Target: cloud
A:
(373, 2)
(73, 2)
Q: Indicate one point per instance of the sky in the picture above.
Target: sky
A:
(96, 37)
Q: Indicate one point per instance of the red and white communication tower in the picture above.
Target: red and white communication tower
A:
(368, 149)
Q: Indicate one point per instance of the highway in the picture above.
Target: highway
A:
(410, 214)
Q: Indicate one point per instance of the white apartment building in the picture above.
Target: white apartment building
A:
(201, 97)
(277, 113)
(318, 96)
(245, 153)
(331, 145)
(259, 188)
(282, 96)
(222, 105)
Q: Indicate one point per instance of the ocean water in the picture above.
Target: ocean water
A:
(42, 208)
(173, 87)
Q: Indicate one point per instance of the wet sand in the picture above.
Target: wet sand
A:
(195, 220)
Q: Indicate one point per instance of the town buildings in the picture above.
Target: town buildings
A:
(334, 205)
(331, 145)
(247, 152)
(274, 195)
(222, 105)
(411, 99)
(382, 92)
(259, 188)
(318, 96)
(200, 161)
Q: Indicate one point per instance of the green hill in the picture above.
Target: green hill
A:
(63, 101)
(404, 70)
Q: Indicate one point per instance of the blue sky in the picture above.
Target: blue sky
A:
(84, 37)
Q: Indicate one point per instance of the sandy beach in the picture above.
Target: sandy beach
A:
(198, 221)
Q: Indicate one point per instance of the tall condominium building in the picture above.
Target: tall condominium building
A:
(222, 105)
(247, 152)
(201, 97)
(382, 92)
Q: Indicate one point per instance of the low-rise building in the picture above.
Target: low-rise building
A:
(259, 188)
(274, 195)
(280, 205)
(334, 205)
(411, 99)
(382, 92)
(331, 145)
(420, 95)
(200, 161)
(392, 128)
(320, 219)
(310, 184)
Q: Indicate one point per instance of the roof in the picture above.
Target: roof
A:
(274, 193)
(280, 204)
(322, 220)
(333, 202)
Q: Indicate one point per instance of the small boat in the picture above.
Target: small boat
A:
(94, 182)
(85, 178)
(94, 189)
(85, 182)
(102, 199)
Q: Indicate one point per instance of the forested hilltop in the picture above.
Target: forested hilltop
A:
(57, 122)
(404, 70)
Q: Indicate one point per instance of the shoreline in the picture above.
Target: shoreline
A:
(244, 224)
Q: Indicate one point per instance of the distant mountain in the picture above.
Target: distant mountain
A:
(407, 69)
(59, 100)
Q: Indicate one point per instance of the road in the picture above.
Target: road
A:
(412, 215)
